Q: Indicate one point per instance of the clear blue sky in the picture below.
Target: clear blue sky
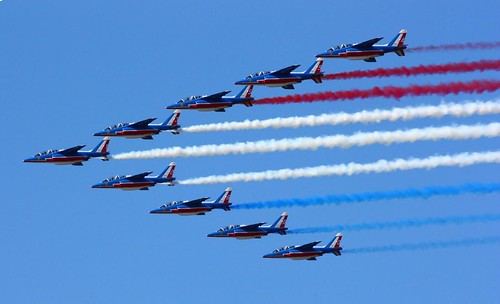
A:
(71, 68)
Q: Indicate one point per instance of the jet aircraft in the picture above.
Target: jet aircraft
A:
(215, 102)
(367, 50)
(197, 206)
(142, 129)
(71, 156)
(243, 232)
(285, 77)
(308, 251)
(139, 181)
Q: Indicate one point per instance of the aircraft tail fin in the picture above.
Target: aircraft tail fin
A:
(224, 198)
(400, 52)
(246, 92)
(315, 68)
(168, 172)
(172, 120)
(335, 243)
(102, 147)
(399, 40)
(281, 221)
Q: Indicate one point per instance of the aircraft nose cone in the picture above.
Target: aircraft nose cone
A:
(97, 186)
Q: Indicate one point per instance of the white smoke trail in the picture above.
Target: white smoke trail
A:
(381, 166)
(312, 143)
(375, 116)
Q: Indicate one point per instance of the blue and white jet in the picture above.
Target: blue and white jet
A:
(308, 251)
(216, 102)
(71, 156)
(285, 77)
(139, 181)
(196, 206)
(143, 129)
(367, 50)
(253, 231)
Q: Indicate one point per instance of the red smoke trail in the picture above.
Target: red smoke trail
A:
(460, 67)
(456, 46)
(475, 86)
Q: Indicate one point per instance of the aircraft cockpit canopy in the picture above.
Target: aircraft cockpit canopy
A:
(117, 177)
(46, 152)
(284, 248)
(229, 227)
(341, 46)
(172, 203)
(258, 74)
(189, 98)
(119, 125)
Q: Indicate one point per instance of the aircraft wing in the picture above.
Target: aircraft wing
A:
(142, 123)
(307, 246)
(285, 71)
(196, 202)
(72, 150)
(138, 176)
(252, 226)
(368, 43)
(215, 97)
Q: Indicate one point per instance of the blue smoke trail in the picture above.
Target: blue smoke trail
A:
(338, 199)
(455, 220)
(426, 246)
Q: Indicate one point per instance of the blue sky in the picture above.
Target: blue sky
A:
(71, 68)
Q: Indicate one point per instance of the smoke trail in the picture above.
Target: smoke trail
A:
(313, 143)
(375, 116)
(410, 223)
(426, 246)
(362, 197)
(460, 67)
(475, 86)
(456, 46)
(381, 166)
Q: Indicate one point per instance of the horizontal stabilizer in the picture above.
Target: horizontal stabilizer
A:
(337, 253)
(400, 52)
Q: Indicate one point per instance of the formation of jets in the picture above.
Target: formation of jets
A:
(218, 102)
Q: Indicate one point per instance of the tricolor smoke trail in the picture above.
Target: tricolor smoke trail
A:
(409, 223)
(460, 67)
(362, 197)
(475, 86)
(426, 245)
(381, 166)
(375, 116)
(312, 143)
(456, 46)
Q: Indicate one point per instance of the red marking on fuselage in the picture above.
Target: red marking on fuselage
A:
(247, 234)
